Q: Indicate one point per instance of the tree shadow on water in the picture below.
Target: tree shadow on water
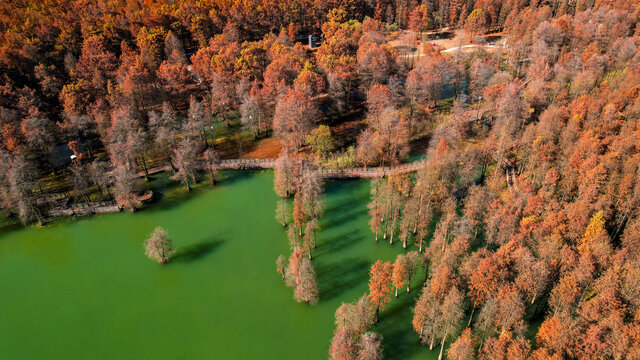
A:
(335, 278)
(339, 217)
(9, 225)
(196, 251)
(229, 177)
(340, 242)
(399, 339)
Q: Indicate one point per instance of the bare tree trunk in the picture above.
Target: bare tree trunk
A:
(442, 346)
(213, 177)
(471, 317)
(144, 167)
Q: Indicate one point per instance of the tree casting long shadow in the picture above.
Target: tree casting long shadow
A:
(196, 251)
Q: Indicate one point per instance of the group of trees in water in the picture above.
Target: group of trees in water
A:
(293, 179)
(527, 207)
(524, 218)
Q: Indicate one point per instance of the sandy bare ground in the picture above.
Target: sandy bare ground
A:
(447, 41)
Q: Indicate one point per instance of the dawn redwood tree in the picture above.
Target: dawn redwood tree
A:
(185, 160)
(138, 146)
(379, 97)
(283, 212)
(159, 246)
(293, 270)
(281, 266)
(125, 187)
(375, 206)
(390, 136)
(310, 81)
(100, 172)
(357, 317)
(452, 312)
(311, 195)
(410, 219)
(222, 96)
(426, 82)
(196, 120)
(366, 152)
(252, 113)
(400, 272)
(22, 180)
(533, 275)
(393, 193)
(286, 174)
(375, 62)
(306, 283)
(80, 180)
(426, 316)
(309, 238)
(294, 235)
(370, 347)
(475, 207)
(164, 127)
(484, 281)
(211, 163)
(299, 214)
(342, 346)
(413, 260)
(380, 285)
(39, 134)
(419, 20)
(294, 117)
(463, 348)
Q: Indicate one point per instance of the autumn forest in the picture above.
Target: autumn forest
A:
(499, 141)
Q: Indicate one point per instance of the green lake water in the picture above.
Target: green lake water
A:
(83, 289)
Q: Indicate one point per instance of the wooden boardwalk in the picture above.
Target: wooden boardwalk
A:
(371, 172)
(351, 173)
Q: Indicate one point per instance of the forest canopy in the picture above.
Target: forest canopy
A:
(525, 111)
